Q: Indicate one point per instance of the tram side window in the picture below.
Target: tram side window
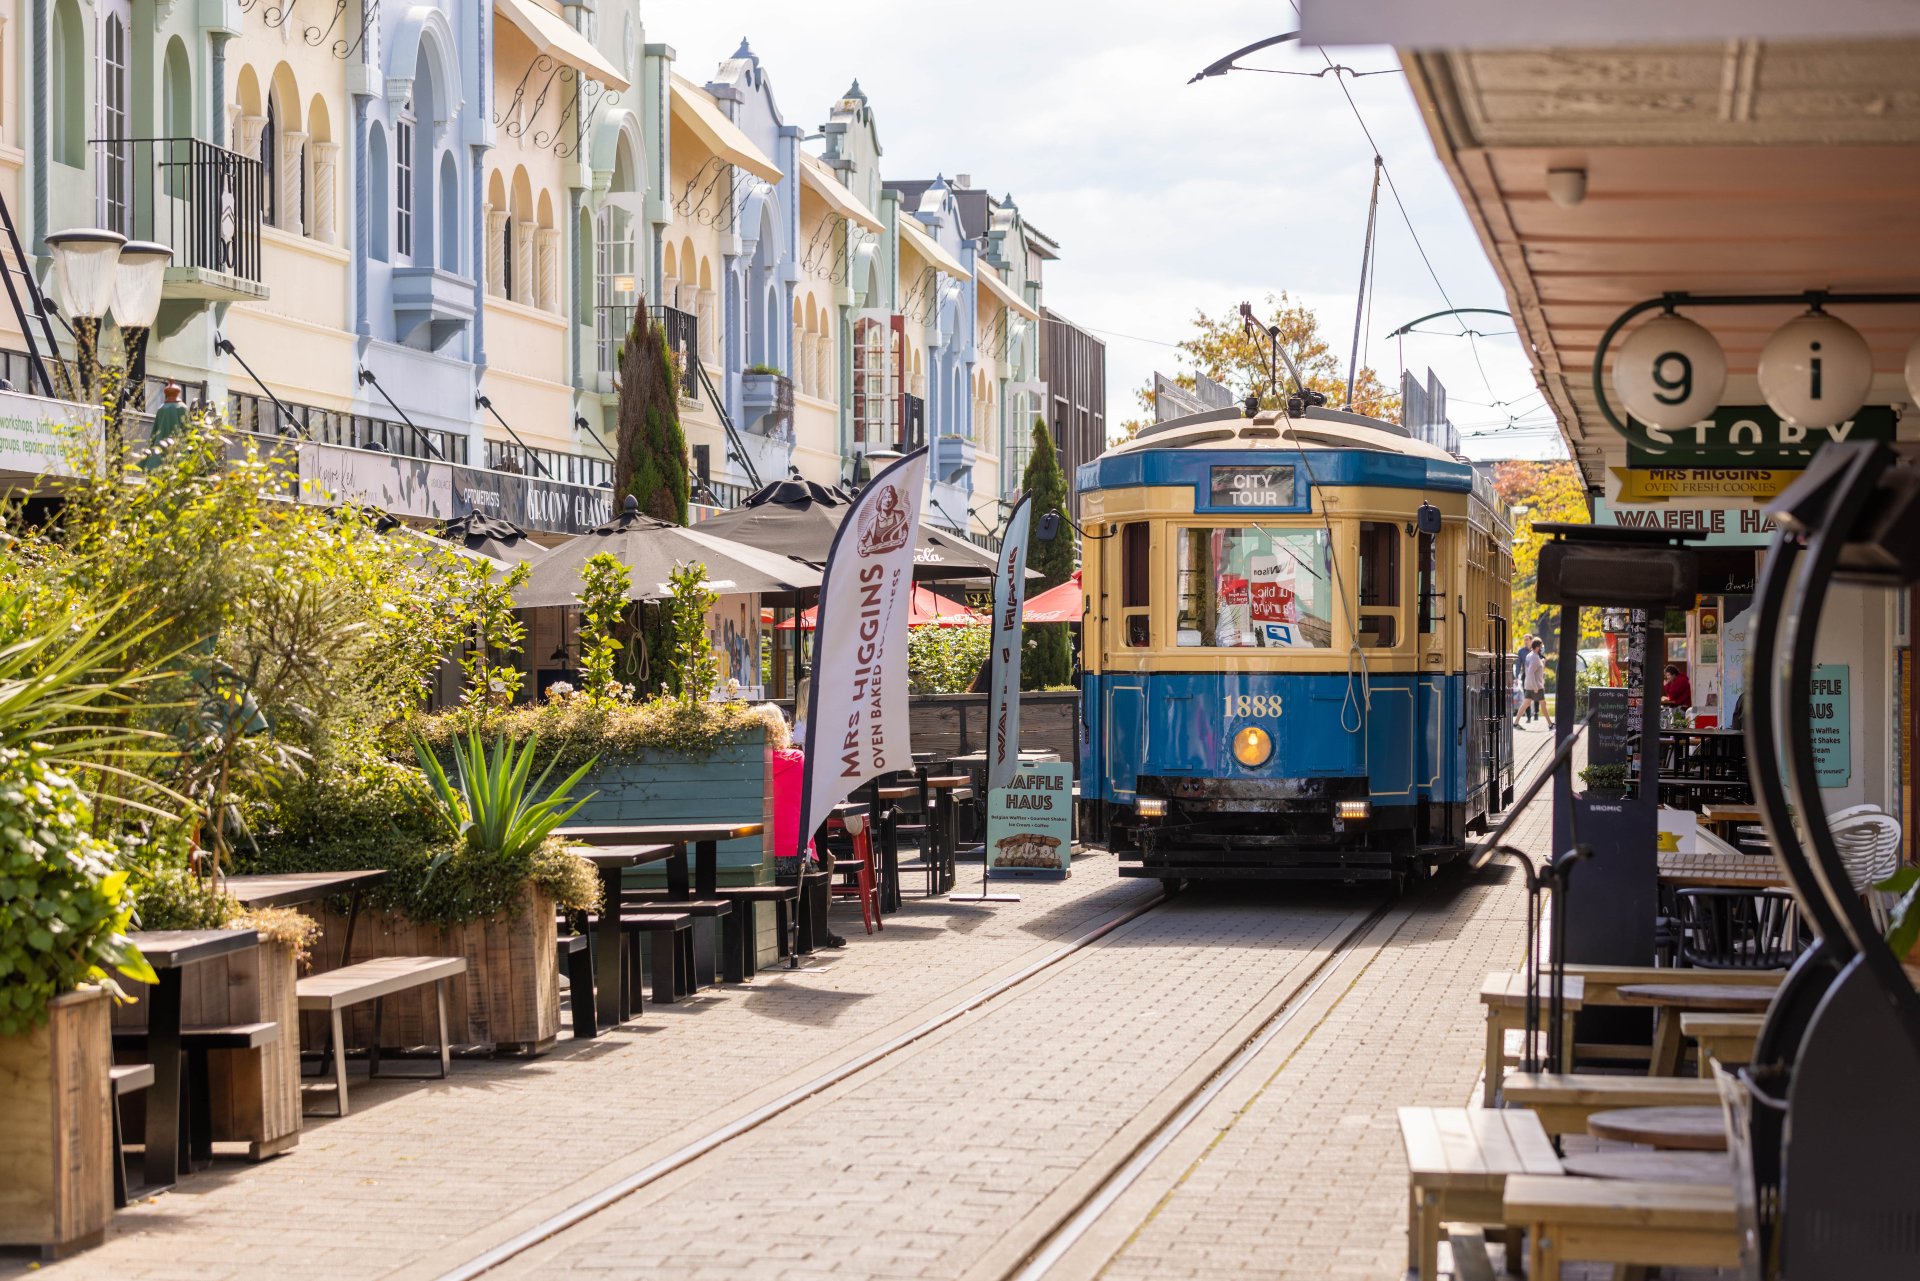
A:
(1255, 587)
(1136, 590)
(1379, 584)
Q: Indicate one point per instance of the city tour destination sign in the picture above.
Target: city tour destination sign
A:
(1030, 823)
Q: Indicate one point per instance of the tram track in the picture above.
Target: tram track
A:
(1122, 1170)
(583, 1209)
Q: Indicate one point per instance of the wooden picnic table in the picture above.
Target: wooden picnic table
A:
(612, 985)
(1684, 1128)
(1671, 999)
(169, 952)
(1719, 871)
(284, 889)
(1723, 818)
(1708, 1168)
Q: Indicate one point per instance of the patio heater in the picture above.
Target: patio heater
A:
(1832, 1114)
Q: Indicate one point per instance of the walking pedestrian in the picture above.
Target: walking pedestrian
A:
(1534, 682)
(1519, 697)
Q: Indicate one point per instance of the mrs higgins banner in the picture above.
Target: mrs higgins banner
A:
(857, 712)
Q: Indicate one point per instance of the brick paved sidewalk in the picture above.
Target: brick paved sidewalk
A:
(423, 1174)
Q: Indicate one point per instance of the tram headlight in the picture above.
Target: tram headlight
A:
(1352, 811)
(1150, 806)
(1252, 746)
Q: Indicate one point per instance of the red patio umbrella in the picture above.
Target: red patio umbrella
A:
(927, 609)
(1062, 604)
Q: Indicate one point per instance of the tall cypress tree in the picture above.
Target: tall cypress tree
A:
(650, 451)
(1049, 656)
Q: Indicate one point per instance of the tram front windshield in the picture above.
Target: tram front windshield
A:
(1255, 587)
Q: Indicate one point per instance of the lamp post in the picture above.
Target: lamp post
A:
(100, 271)
(85, 263)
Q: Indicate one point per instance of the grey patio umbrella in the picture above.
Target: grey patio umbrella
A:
(651, 549)
(501, 539)
(800, 517)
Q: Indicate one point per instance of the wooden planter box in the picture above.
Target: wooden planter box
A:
(56, 1128)
(733, 784)
(508, 1002)
(255, 1093)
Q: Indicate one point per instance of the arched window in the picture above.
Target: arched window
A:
(176, 115)
(379, 210)
(116, 178)
(270, 162)
(403, 186)
(449, 215)
(69, 85)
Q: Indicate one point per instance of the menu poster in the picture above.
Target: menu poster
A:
(1607, 725)
(1030, 823)
(1829, 707)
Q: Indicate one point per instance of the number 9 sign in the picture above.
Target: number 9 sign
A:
(1670, 372)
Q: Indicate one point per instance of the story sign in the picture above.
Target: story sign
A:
(1749, 436)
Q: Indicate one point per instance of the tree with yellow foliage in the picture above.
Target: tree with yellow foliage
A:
(1551, 492)
(1227, 351)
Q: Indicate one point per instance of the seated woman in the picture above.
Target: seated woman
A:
(1677, 691)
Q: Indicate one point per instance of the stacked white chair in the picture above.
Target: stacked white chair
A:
(1869, 843)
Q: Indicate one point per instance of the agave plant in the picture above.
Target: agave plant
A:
(488, 804)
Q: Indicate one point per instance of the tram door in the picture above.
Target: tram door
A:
(1126, 608)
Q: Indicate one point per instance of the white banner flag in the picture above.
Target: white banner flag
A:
(857, 708)
(1009, 598)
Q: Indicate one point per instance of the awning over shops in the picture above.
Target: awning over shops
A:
(998, 288)
(551, 35)
(696, 111)
(818, 178)
(912, 233)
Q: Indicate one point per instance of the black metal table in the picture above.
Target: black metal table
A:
(169, 952)
(704, 837)
(612, 992)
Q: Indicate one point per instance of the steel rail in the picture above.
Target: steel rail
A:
(590, 1205)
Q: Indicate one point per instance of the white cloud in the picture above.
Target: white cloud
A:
(1164, 196)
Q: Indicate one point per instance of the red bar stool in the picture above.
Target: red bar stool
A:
(860, 882)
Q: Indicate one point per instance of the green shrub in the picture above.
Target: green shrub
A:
(571, 730)
(945, 660)
(63, 906)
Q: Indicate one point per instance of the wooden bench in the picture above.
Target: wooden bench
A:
(197, 1043)
(672, 936)
(1504, 995)
(1600, 986)
(1458, 1163)
(1728, 1038)
(727, 957)
(1564, 1100)
(332, 992)
(746, 900)
(1620, 1221)
(128, 1078)
(571, 951)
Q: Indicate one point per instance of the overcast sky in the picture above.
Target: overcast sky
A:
(1164, 196)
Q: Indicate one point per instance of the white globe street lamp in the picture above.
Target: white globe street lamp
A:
(1670, 372)
(100, 271)
(1816, 370)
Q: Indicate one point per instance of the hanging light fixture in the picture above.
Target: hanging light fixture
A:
(140, 275)
(1670, 372)
(1816, 370)
(86, 264)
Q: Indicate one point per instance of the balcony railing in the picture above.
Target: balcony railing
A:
(257, 414)
(202, 201)
(719, 493)
(512, 457)
(913, 421)
(766, 405)
(683, 339)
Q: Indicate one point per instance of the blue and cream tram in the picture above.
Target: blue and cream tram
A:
(1296, 649)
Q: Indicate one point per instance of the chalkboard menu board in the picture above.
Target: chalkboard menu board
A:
(1607, 730)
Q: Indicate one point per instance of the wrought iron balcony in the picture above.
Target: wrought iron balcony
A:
(548, 464)
(683, 340)
(204, 202)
